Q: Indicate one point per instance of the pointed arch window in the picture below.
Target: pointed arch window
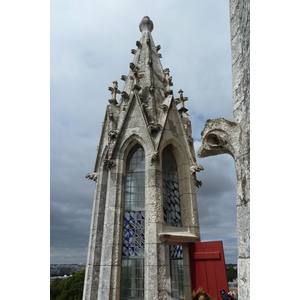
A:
(132, 273)
(172, 211)
(172, 217)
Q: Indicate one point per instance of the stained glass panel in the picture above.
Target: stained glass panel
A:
(132, 279)
(176, 251)
(172, 213)
(177, 279)
(172, 217)
(133, 233)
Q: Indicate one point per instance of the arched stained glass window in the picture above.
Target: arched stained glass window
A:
(172, 217)
(132, 275)
(172, 213)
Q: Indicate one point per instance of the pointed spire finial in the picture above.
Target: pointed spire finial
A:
(136, 76)
(146, 24)
(167, 82)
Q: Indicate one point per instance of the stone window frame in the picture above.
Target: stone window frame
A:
(184, 181)
(186, 186)
(130, 147)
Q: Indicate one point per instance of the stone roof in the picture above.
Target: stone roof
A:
(147, 76)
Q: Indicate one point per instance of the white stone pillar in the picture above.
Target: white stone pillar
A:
(110, 261)
(95, 241)
(154, 249)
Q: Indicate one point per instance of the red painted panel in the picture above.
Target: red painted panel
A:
(208, 267)
(207, 255)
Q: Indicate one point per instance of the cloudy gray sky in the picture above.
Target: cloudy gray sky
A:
(91, 44)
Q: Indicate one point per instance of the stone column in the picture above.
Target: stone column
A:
(96, 233)
(110, 260)
(155, 265)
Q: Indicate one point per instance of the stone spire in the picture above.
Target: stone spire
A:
(147, 76)
(150, 85)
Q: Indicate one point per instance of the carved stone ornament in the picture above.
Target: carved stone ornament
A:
(146, 24)
(132, 66)
(151, 89)
(190, 140)
(138, 44)
(91, 176)
(181, 100)
(113, 135)
(154, 157)
(219, 136)
(114, 91)
(164, 107)
(166, 104)
(125, 96)
(198, 183)
(110, 113)
(195, 168)
(109, 163)
(144, 106)
(136, 76)
(153, 129)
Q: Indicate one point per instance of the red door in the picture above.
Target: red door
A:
(208, 268)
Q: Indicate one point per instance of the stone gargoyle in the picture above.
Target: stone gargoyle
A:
(195, 168)
(92, 176)
(219, 136)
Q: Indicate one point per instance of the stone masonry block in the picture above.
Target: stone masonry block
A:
(95, 254)
(244, 278)
(152, 273)
(151, 293)
(152, 230)
(104, 284)
(243, 226)
(153, 178)
(154, 213)
(151, 255)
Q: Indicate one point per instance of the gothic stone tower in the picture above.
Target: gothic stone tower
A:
(145, 209)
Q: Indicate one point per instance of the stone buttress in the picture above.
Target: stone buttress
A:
(144, 117)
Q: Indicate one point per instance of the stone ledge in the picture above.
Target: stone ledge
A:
(178, 237)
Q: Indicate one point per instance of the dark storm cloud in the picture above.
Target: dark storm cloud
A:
(91, 46)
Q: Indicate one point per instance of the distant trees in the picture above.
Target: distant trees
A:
(231, 273)
(68, 289)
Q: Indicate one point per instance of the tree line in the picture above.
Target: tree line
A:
(70, 288)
